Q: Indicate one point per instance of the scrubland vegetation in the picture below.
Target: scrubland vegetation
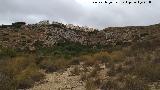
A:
(136, 67)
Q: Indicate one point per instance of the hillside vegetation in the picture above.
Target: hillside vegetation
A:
(131, 65)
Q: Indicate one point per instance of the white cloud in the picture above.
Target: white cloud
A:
(82, 12)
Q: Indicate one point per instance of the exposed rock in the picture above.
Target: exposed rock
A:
(50, 34)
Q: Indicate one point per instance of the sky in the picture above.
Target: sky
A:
(81, 12)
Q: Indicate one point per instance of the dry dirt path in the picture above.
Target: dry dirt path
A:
(61, 81)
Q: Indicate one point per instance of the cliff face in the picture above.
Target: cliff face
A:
(29, 36)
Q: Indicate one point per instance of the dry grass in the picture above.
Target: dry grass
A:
(54, 65)
(90, 85)
(76, 71)
(23, 71)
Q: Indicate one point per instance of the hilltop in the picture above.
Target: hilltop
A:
(27, 37)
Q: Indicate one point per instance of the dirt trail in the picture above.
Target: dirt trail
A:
(61, 81)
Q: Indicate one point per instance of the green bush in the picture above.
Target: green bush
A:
(66, 50)
(7, 53)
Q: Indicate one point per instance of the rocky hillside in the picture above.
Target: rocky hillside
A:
(55, 56)
(28, 37)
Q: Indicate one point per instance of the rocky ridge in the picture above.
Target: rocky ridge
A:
(48, 35)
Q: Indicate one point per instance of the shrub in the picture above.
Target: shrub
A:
(103, 57)
(110, 85)
(28, 76)
(48, 65)
(94, 72)
(18, 24)
(65, 49)
(18, 64)
(144, 66)
(75, 61)
(112, 71)
(84, 76)
(54, 65)
(134, 83)
(149, 71)
(7, 82)
(89, 61)
(75, 71)
(127, 82)
(117, 56)
(21, 72)
(90, 85)
(7, 52)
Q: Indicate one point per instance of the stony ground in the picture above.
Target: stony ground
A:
(68, 79)
(61, 81)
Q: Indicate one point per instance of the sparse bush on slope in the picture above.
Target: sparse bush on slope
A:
(21, 72)
(7, 53)
(54, 65)
(131, 68)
